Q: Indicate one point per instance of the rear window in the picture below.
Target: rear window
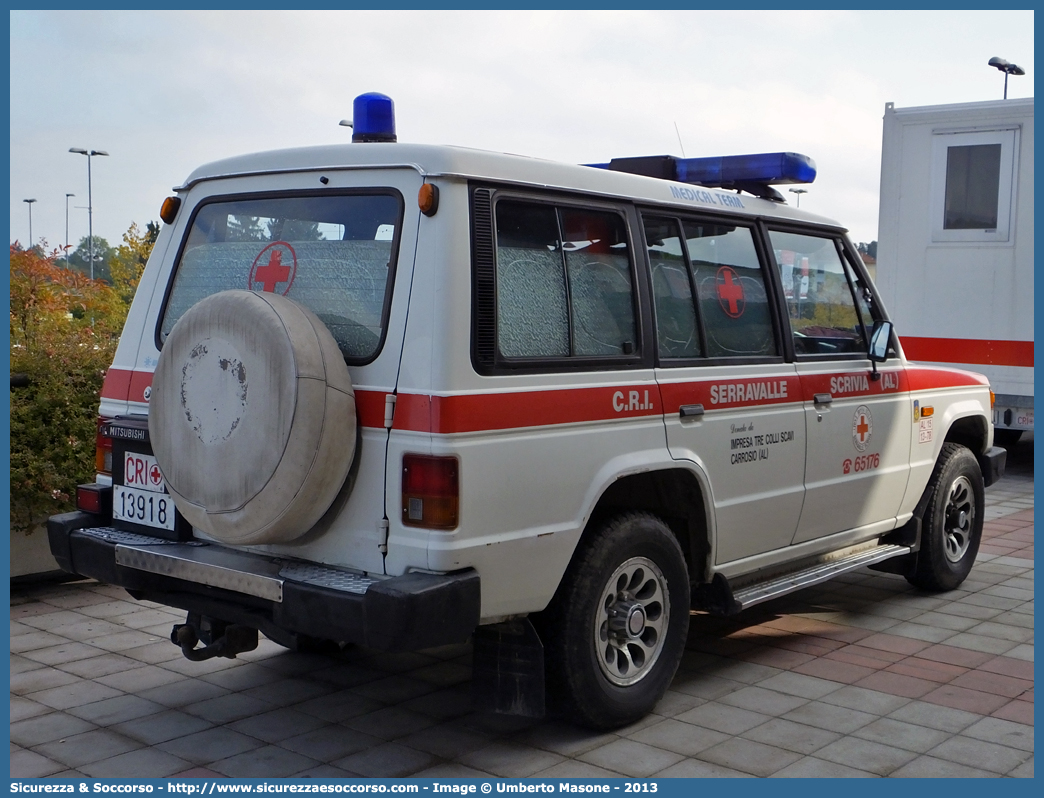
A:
(334, 254)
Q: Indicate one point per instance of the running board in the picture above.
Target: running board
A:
(750, 595)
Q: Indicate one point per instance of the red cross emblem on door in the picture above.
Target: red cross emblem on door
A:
(730, 292)
(274, 266)
(862, 427)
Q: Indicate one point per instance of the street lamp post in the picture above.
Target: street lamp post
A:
(799, 192)
(90, 208)
(30, 202)
(67, 228)
(1008, 69)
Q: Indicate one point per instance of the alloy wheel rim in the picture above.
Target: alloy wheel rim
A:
(958, 519)
(631, 623)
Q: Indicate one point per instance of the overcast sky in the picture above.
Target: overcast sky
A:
(163, 92)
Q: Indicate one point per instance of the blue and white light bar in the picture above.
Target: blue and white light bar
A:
(770, 168)
(753, 173)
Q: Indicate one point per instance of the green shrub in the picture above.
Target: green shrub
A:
(64, 330)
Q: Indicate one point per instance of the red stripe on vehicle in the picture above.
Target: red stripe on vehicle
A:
(854, 383)
(731, 394)
(969, 350)
(928, 378)
(124, 385)
(496, 411)
(369, 407)
(116, 385)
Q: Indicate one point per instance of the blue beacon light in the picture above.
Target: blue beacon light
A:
(373, 118)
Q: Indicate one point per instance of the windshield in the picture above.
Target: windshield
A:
(334, 254)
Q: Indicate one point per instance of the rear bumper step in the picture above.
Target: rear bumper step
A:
(270, 593)
(749, 595)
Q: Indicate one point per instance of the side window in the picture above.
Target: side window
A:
(676, 331)
(563, 283)
(730, 284)
(824, 319)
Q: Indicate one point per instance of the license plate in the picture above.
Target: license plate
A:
(145, 507)
(141, 471)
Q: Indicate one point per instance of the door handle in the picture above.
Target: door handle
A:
(822, 398)
(690, 411)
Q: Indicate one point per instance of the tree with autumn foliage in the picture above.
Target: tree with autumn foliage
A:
(129, 259)
(64, 331)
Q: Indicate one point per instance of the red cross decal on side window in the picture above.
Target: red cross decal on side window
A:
(280, 267)
(730, 292)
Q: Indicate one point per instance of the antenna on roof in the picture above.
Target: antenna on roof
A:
(679, 139)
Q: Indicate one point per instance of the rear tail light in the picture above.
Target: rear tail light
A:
(430, 491)
(103, 449)
(95, 499)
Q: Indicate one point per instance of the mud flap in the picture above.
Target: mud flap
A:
(508, 669)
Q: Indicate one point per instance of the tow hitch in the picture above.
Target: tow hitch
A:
(220, 639)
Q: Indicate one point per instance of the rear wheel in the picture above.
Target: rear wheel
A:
(615, 630)
(952, 526)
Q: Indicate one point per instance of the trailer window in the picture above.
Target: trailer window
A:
(972, 185)
(972, 181)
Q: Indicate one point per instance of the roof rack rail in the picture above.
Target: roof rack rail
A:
(755, 173)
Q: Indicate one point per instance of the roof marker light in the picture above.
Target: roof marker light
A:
(373, 118)
(169, 209)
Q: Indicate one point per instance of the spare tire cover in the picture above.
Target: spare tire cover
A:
(252, 417)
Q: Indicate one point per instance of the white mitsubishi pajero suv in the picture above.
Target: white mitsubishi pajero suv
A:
(404, 396)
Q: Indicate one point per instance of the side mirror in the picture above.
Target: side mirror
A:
(879, 341)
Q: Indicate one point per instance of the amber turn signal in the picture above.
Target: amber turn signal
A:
(428, 199)
(169, 209)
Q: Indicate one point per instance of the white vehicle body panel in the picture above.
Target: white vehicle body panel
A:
(537, 450)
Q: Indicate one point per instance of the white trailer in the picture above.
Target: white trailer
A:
(955, 248)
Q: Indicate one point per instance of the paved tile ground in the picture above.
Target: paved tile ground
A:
(861, 676)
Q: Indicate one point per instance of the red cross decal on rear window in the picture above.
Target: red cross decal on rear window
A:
(279, 267)
(730, 292)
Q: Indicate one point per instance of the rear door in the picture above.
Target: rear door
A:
(345, 252)
(731, 403)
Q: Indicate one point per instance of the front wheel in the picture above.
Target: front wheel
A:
(952, 526)
(615, 630)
